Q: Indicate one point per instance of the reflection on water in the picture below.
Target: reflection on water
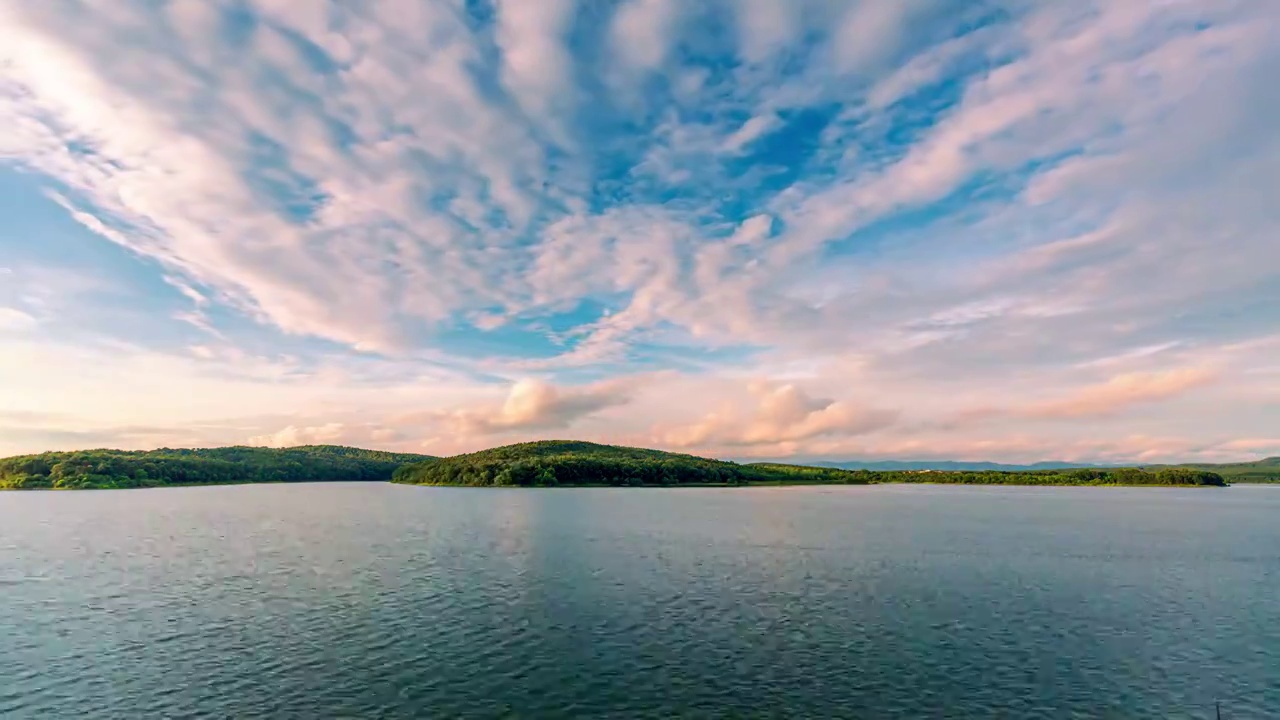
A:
(354, 600)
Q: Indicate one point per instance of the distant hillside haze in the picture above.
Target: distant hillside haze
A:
(1266, 470)
(949, 465)
(1259, 471)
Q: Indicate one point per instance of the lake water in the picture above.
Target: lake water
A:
(383, 601)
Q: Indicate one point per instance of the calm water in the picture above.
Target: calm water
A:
(381, 601)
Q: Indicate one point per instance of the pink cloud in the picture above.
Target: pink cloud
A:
(779, 414)
(535, 405)
(1121, 392)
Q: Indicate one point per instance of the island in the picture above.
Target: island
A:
(548, 463)
(105, 469)
(568, 462)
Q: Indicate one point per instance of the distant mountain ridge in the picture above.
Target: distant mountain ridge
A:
(955, 465)
(1266, 470)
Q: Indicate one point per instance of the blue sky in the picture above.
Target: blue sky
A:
(748, 228)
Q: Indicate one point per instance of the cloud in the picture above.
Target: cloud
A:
(363, 212)
(535, 405)
(537, 67)
(304, 235)
(642, 31)
(777, 414)
(411, 171)
(750, 131)
(333, 433)
(1123, 391)
(766, 27)
(926, 69)
(292, 435)
(1255, 446)
(13, 320)
(870, 32)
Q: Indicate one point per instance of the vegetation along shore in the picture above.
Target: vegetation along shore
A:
(548, 463)
(103, 469)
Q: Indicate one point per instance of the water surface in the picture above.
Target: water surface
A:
(383, 601)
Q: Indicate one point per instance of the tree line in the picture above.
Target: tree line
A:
(545, 463)
(572, 469)
(552, 463)
(153, 468)
(1076, 476)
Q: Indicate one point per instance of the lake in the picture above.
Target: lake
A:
(385, 601)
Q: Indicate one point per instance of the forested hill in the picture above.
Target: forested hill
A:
(1259, 471)
(555, 462)
(567, 462)
(564, 462)
(570, 462)
(239, 464)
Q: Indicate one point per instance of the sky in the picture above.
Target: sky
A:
(1007, 230)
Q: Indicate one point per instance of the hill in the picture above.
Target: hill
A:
(553, 462)
(568, 462)
(564, 462)
(153, 468)
(1258, 471)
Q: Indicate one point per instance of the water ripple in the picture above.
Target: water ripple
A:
(306, 601)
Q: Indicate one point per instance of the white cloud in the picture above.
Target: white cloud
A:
(184, 190)
(776, 415)
(752, 130)
(292, 436)
(643, 31)
(333, 433)
(14, 320)
(535, 405)
(1068, 208)
(766, 27)
(1123, 391)
(924, 69)
(870, 32)
(537, 67)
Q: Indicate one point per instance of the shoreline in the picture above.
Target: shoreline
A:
(192, 485)
(542, 463)
(674, 486)
(728, 486)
